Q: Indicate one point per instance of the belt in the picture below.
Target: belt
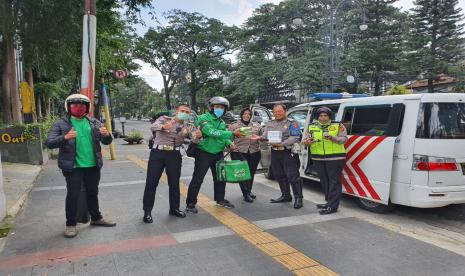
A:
(278, 147)
(166, 147)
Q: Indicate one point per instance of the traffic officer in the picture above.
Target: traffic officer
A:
(326, 140)
(284, 163)
(215, 139)
(165, 154)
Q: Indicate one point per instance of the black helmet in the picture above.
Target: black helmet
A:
(218, 100)
(323, 109)
(77, 98)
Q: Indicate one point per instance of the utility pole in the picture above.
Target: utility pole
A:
(88, 52)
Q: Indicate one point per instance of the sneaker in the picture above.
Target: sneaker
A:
(225, 203)
(70, 231)
(190, 208)
(103, 222)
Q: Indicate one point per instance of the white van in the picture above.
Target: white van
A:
(407, 149)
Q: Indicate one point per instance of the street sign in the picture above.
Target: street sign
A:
(120, 74)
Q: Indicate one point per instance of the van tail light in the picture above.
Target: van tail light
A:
(429, 163)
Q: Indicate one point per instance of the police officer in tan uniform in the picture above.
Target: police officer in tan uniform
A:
(248, 149)
(284, 163)
(165, 154)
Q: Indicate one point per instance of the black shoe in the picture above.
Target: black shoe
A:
(322, 206)
(177, 213)
(298, 203)
(252, 195)
(281, 199)
(328, 210)
(190, 208)
(147, 217)
(225, 203)
(248, 198)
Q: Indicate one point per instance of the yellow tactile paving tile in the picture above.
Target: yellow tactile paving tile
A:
(260, 238)
(295, 261)
(276, 248)
(281, 252)
(317, 270)
(231, 222)
(246, 229)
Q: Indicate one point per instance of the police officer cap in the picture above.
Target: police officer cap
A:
(77, 98)
(323, 109)
(218, 100)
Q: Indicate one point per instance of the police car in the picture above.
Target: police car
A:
(402, 150)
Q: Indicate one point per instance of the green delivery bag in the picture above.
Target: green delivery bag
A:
(232, 171)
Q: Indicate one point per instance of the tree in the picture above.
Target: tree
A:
(204, 44)
(379, 48)
(160, 48)
(49, 34)
(275, 53)
(438, 37)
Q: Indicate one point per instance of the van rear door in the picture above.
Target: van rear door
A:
(440, 142)
(372, 133)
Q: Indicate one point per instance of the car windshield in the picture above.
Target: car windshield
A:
(441, 121)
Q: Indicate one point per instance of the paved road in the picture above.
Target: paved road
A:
(252, 239)
(444, 227)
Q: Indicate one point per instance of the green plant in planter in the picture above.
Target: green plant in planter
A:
(134, 136)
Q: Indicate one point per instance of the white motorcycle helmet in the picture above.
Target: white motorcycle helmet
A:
(77, 98)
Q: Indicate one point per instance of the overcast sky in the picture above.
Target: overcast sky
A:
(231, 12)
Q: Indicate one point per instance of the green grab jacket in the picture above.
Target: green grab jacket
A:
(215, 136)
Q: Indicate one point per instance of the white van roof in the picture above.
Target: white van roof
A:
(433, 97)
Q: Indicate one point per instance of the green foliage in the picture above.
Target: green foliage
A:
(135, 135)
(437, 40)
(398, 90)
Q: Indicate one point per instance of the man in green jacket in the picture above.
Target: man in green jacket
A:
(210, 150)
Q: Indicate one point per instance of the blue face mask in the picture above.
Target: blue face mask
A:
(183, 116)
(218, 112)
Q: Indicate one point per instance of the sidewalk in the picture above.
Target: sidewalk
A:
(18, 180)
(252, 239)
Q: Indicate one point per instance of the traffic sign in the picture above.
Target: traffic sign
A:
(120, 74)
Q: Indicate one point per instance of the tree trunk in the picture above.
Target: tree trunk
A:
(167, 93)
(430, 85)
(377, 88)
(30, 81)
(39, 106)
(48, 105)
(6, 107)
(12, 81)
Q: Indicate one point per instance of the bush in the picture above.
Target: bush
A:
(135, 135)
(398, 90)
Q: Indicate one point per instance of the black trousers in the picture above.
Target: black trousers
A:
(90, 178)
(160, 160)
(203, 162)
(252, 159)
(330, 178)
(285, 166)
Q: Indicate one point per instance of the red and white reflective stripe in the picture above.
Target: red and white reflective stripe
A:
(353, 178)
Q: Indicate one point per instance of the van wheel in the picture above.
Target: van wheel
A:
(269, 174)
(374, 207)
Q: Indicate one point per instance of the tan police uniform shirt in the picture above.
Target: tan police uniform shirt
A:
(246, 145)
(174, 136)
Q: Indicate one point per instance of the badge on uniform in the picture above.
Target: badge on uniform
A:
(294, 129)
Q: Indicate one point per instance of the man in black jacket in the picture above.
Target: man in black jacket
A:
(78, 138)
